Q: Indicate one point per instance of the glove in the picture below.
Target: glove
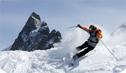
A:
(78, 25)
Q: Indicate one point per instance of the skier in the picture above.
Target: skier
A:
(90, 44)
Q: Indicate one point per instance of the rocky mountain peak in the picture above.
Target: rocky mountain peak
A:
(123, 26)
(35, 15)
(36, 35)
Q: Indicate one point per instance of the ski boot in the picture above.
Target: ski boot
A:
(75, 57)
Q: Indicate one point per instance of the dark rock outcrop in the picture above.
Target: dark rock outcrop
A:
(36, 36)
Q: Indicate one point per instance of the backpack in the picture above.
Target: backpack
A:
(99, 34)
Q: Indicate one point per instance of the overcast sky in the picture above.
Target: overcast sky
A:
(59, 14)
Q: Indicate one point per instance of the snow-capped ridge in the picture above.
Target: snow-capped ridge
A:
(123, 26)
(121, 29)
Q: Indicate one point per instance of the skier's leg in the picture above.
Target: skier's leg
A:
(78, 55)
(84, 45)
(80, 48)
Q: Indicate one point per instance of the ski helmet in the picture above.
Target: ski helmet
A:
(92, 27)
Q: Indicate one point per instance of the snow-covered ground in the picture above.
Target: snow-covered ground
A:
(46, 61)
(124, 71)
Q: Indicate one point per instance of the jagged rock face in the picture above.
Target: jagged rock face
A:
(36, 36)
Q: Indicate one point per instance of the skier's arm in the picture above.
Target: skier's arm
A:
(84, 28)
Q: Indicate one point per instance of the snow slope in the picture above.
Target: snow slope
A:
(1, 71)
(45, 61)
(124, 71)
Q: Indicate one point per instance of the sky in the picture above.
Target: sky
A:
(59, 14)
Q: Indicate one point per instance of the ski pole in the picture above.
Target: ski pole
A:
(109, 51)
(72, 27)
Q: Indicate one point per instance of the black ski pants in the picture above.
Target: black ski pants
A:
(87, 48)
